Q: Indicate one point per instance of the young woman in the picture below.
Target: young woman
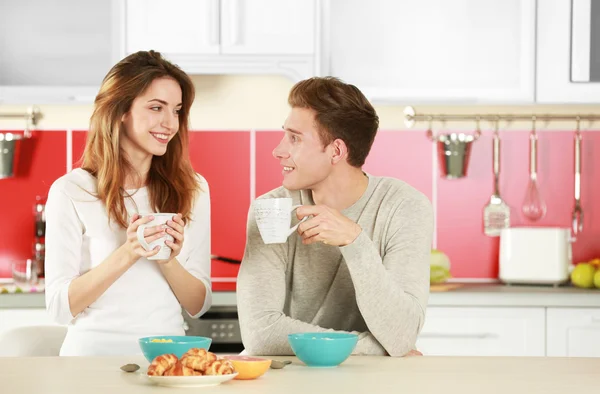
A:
(99, 279)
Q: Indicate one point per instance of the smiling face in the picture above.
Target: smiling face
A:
(153, 119)
(305, 162)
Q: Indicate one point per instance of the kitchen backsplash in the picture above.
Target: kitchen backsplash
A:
(238, 165)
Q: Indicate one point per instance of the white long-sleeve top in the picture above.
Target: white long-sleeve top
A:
(140, 303)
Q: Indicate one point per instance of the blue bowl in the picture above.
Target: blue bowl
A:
(178, 347)
(322, 349)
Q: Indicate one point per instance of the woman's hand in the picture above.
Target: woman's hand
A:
(175, 228)
(151, 234)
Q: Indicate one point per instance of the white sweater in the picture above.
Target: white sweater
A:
(140, 303)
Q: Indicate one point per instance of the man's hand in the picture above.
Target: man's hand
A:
(327, 225)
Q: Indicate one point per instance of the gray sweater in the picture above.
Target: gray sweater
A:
(377, 287)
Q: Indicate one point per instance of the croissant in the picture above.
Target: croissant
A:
(220, 367)
(198, 359)
(180, 370)
(161, 364)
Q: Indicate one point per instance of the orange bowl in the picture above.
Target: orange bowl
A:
(249, 367)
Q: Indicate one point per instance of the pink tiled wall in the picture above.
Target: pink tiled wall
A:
(224, 158)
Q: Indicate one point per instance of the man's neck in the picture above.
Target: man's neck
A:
(341, 190)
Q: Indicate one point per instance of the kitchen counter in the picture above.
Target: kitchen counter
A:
(498, 294)
(37, 300)
(464, 295)
(450, 375)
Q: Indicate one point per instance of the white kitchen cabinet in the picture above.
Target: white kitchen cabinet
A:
(228, 36)
(12, 318)
(573, 332)
(483, 331)
(57, 51)
(175, 27)
(426, 51)
(563, 53)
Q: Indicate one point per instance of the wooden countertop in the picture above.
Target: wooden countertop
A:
(448, 375)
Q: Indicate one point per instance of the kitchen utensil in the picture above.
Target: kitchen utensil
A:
(225, 259)
(454, 150)
(130, 367)
(535, 255)
(496, 214)
(534, 207)
(276, 364)
(577, 216)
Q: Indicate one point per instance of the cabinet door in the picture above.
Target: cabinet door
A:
(466, 331)
(57, 51)
(173, 27)
(573, 332)
(268, 27)
(563, 36)
(459, 51)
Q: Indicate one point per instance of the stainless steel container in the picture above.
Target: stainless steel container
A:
(454, 150)
(10, 145)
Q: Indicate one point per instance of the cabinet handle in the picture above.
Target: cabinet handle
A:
(215, 23)
(234, 25)
(483, 335)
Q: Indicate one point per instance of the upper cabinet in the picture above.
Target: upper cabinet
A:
(57, 51)
(411, 51)
(568, 52)
(227, 36)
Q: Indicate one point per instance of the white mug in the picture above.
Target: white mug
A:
(159, 219)
(273, 217)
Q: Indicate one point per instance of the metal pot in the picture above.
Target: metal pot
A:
(454, 150)
(10, 145)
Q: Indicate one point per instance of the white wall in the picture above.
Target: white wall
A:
(243, 102)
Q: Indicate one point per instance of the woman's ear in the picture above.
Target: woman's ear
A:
(340, 151)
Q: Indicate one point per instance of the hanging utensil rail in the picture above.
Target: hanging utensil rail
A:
(411, 117)
(32, 117)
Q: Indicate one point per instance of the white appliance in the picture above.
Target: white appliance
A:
(535, 255)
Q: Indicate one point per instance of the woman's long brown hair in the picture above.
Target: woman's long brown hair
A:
(172, 182)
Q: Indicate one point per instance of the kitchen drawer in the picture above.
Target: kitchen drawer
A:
(466, 331)
(573, 332)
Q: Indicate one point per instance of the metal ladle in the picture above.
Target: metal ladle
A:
(534, 207)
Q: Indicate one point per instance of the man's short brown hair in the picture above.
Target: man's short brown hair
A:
(342, 111)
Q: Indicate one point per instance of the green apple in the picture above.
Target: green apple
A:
(583, 275)
(439, 267)
(597, 279)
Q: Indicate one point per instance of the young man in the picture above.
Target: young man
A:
(360, 262)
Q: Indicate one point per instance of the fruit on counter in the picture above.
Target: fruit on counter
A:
(595, 263)
(439, 267)
(583, 275)
(597, 279)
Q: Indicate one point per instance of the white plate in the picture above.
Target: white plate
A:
(191, 381)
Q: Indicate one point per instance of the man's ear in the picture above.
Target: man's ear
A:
(340, 151)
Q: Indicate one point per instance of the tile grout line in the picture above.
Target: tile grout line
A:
(252, 165)
(69, 150)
